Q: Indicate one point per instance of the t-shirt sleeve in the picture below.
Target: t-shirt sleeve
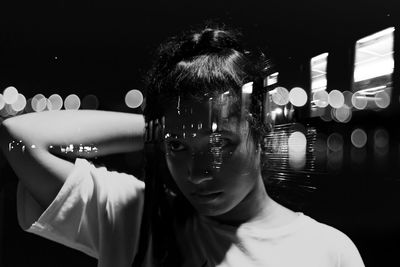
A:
(97, 211)
(349, 256)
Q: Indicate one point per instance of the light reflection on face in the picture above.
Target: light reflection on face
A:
(211, 156)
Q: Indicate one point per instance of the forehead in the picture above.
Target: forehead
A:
(206, 115)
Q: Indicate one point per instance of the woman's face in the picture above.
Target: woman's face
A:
(215, 164)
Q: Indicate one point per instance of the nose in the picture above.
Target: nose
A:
(199, 170)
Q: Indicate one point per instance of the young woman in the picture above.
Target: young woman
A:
(204, 204)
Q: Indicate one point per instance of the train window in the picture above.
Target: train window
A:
(373, 68)
(271, 79)
(318, 65)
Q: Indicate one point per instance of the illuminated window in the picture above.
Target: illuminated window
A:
(318, 66)
(271, 79)
(373, 68)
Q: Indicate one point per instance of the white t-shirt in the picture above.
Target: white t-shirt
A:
(99, 213)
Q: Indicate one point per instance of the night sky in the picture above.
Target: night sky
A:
(104, 48)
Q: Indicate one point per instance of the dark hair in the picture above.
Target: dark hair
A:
(210, 60)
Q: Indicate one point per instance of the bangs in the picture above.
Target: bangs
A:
(208, 75)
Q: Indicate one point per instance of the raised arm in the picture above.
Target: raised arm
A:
(36, 144)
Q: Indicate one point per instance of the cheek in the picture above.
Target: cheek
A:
(177, 167)
(241, 170)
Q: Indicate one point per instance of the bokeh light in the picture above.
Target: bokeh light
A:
(359, 101)
(347, 98)
(20, 104)
(39, 103)
(2, 102)
(277, 111)
(297, 141)
(3, 111)
(335, 99)
(280, 95)
(359, 138)
(320, 98)
(326, 116)
(90, 102)
(10, 94)
(133, 98)
(335, 142)
(381, 138)
(382, 99)
(333, 114)
(343, 114)
(72, 102)
(298, 97)
(54, 102)
(10, 111)
(297, 144)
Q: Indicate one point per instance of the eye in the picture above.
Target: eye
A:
(219, 141)
(226, 142)
(176, 146)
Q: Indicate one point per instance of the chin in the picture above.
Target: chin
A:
(212, 210)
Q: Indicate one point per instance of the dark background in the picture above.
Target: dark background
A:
(104, 48)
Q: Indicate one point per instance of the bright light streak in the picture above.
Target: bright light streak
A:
(376, 35)
(10, 95)
(322, 56)
(20, 104)
(335, 98)
(54, 102)
(39, 103)
(298, 97)
(72, 102)
(134, 98)
(372, 90)
(358, 138)
(280, 96)
(358, 101)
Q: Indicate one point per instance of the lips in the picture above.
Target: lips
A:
(206, 195)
